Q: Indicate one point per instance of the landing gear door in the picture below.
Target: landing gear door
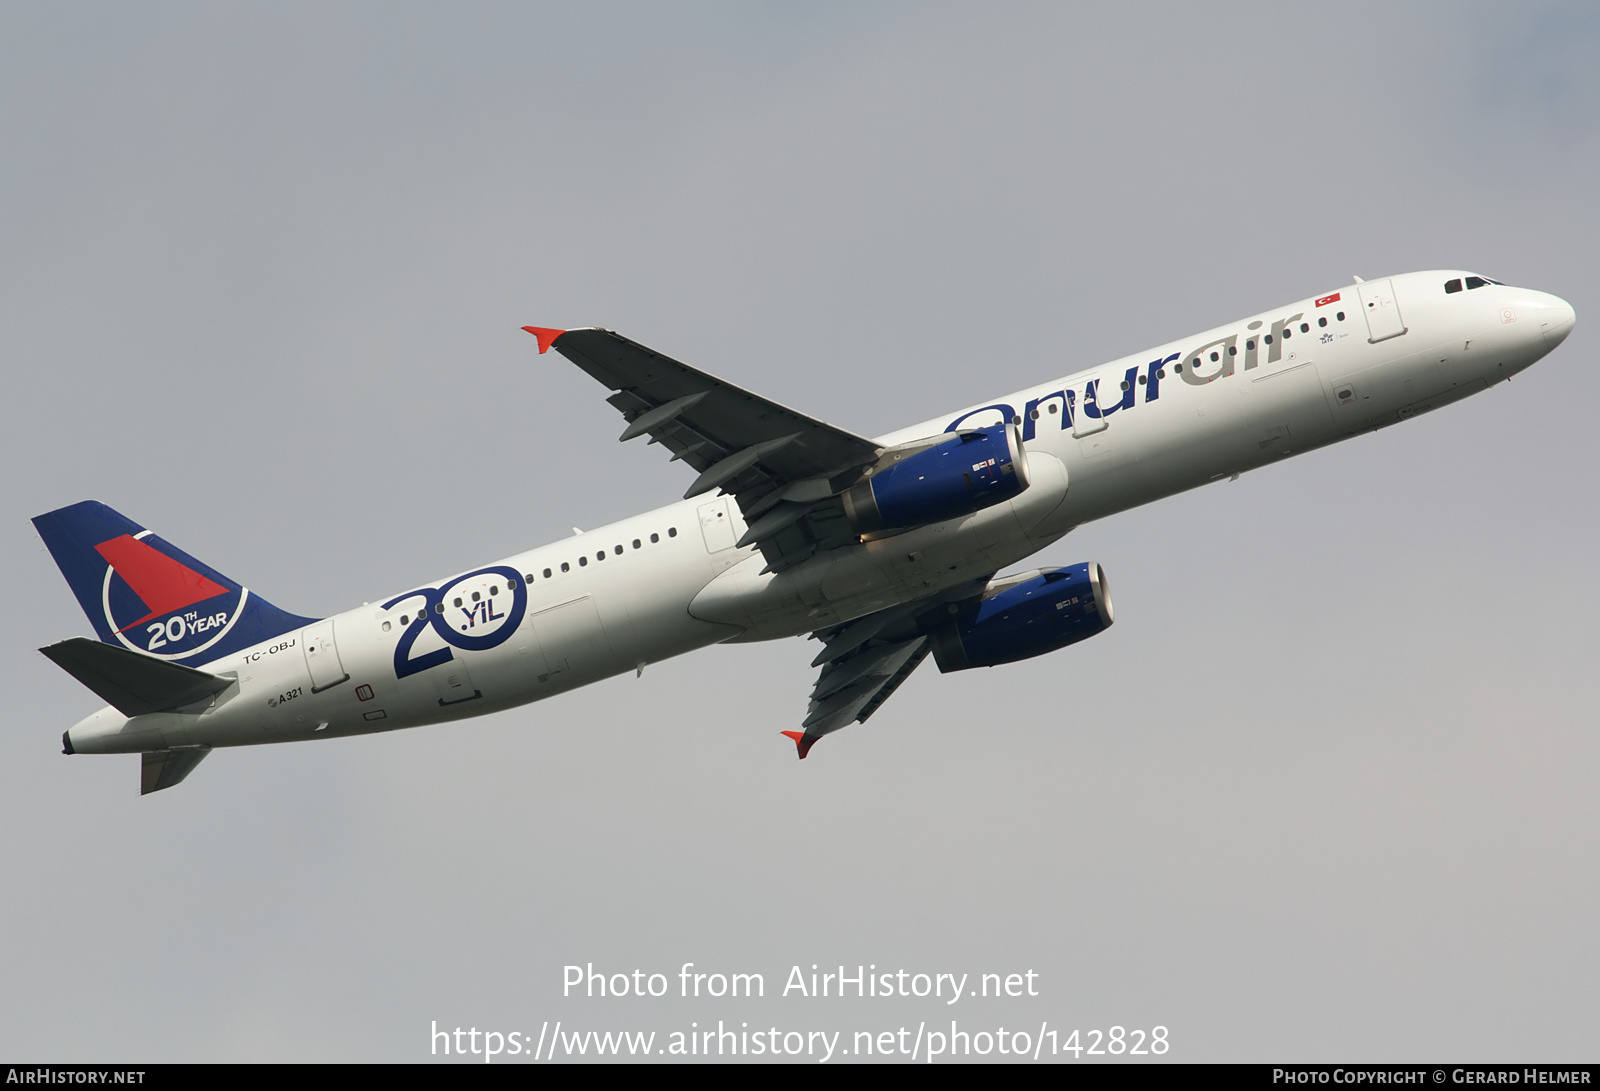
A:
(322, 656)
(1382, 309)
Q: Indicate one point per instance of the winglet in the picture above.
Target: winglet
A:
(546, 337)
(802, 743)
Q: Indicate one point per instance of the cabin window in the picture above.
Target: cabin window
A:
(1141, 381)
(1034, 413)
(600, 556)
(547, 573)
(1323, 321)
(672, 532)
(386, 626)
(1233, 350)
(1124, 384)
(636, 543)
(1215, 357)
(438, 607)
(583, 561)
(1250, 344)
(458, 602)
(1340, 316)
(1052, 406)
(1267, 340)
(565, 567)
(475, 598)
(655, 538)
(1178, 368)
(404, 620)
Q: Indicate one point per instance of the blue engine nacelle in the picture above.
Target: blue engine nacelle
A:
(1024, 616)
(955, 474)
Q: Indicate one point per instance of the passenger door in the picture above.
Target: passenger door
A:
(1382, 309)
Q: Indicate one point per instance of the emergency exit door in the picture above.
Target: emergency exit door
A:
(322, 656)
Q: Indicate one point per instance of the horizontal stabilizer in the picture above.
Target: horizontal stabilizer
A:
(160, 769)
(133, 684)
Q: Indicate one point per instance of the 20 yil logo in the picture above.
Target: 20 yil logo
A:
(468, 613)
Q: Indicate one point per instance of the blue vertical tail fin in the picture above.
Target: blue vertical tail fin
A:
(143, 593)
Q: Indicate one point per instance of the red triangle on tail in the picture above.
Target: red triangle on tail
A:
(161, 583)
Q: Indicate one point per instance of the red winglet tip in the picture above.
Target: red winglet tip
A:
(802, 743)
(546, 337)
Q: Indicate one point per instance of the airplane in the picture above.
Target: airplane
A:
(885, 550)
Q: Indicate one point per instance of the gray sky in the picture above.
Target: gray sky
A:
(1325, 792)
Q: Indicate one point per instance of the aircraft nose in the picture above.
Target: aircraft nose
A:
(1556, 319)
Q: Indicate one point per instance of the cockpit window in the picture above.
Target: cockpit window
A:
(1452, 286)
(1476, 282)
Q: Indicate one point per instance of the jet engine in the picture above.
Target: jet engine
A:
(930, 481)
(1022, 616)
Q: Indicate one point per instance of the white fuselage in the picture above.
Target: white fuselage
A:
(671, 580)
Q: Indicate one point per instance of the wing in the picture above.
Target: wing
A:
(851, 689)
(785, 469)
(864, 661)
